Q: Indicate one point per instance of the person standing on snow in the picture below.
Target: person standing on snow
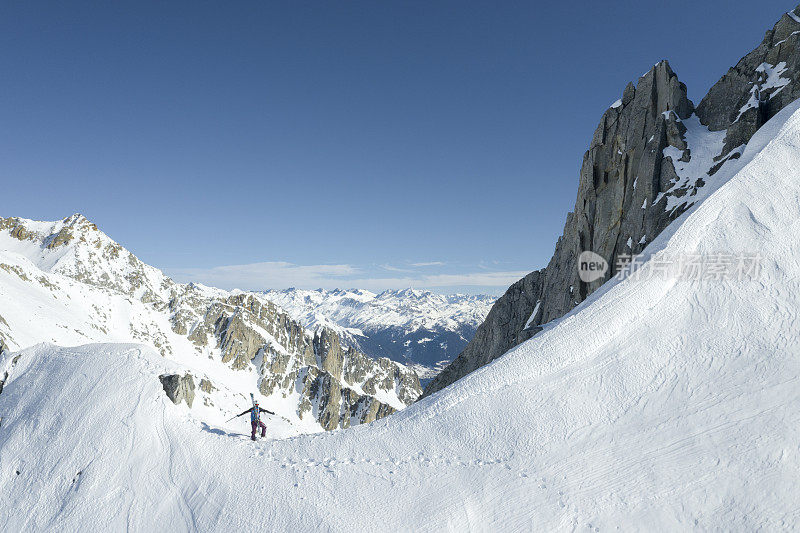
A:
(255, 419)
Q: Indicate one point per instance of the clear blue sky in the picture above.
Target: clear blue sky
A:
(379, 144)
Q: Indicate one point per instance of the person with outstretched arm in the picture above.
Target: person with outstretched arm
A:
(255, 419)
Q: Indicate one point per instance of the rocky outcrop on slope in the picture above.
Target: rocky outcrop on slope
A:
(638, 175)
(5, 373)
(178, 388)
(623, 170)
(245, 332)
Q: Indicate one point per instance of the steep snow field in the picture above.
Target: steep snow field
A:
(657, 404)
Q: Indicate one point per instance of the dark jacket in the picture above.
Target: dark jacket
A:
(254, 415)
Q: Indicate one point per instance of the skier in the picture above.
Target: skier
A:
(255, 419)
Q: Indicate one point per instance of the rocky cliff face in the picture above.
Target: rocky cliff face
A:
(217, 334)
(648, 161)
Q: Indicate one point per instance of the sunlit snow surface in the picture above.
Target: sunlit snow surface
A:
(655, 405)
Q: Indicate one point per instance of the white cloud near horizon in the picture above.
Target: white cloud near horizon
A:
(391, 268)
(428, 263)
(282, 275)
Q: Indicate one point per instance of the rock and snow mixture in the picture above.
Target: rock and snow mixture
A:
(654, 403)
(67, 283)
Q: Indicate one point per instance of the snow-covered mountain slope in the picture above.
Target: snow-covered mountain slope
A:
(68, 283)
(414, 327)
(656, 403)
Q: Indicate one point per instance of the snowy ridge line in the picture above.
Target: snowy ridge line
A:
(686, 228)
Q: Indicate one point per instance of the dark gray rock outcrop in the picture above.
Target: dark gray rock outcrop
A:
(629, 190)
(178, 388)
(335, 406)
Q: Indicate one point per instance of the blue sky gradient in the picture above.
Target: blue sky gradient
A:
(369, 144)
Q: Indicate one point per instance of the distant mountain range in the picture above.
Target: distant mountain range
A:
(418, 328)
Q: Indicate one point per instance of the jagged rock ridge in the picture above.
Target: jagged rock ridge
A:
(647, 163)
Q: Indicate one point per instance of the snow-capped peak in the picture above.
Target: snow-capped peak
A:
(76, 248)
